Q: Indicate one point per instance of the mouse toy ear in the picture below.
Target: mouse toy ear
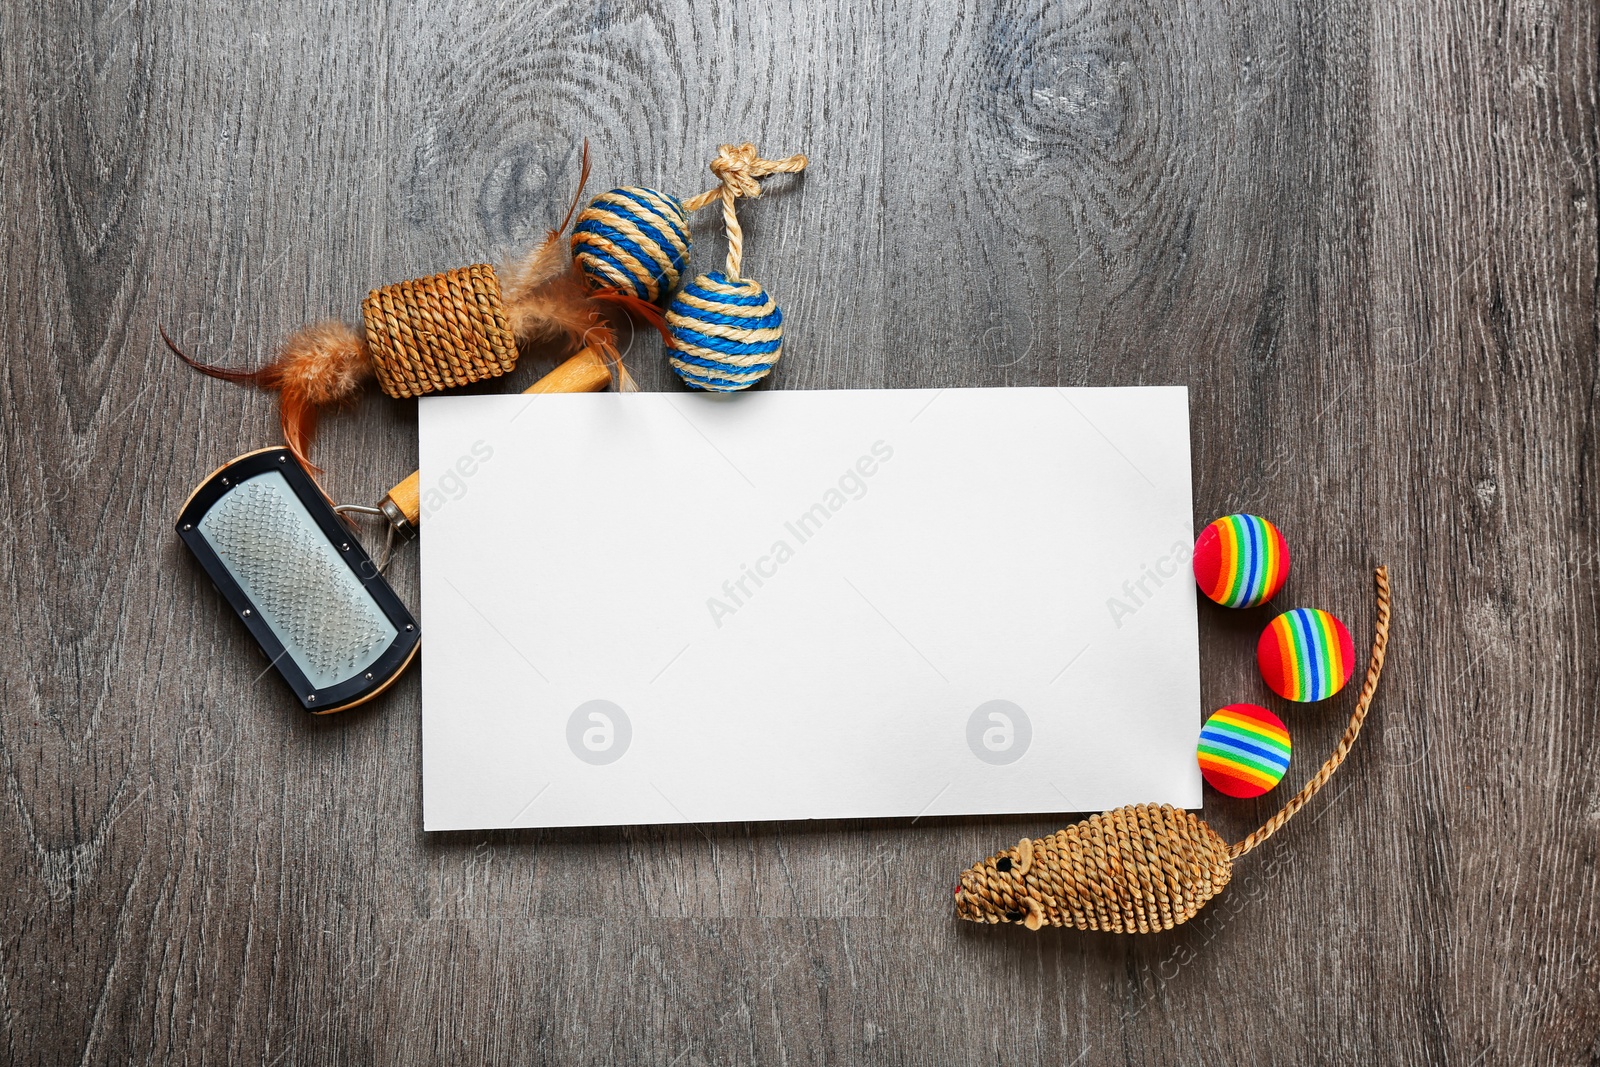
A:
(317, 366)
(1024, 856)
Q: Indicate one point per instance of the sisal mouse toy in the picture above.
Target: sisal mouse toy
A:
(1140, 868)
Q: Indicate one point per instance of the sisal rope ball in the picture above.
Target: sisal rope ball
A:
(725, 333)
(633, 240)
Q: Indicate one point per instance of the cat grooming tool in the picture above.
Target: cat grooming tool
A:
(295, 573)
(299, 580)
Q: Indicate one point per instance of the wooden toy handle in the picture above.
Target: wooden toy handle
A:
(585, 372)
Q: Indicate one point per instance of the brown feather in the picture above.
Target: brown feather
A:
(636, 306)
(324, 363)
(603, 339)
(522, 278)
(317, 366)
(227, 374)
(559, 307)
(547, 261)
(320, 365)
(298, 417)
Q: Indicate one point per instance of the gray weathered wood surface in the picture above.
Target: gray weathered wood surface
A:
(1363, 234)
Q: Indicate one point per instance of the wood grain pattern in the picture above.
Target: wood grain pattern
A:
(1365, 236)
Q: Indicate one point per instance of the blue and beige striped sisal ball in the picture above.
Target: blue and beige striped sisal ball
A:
(633, 240)
(726, 334)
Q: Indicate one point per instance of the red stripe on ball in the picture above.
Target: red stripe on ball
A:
(1232, 784)
(1208, 560)
(1276, 665)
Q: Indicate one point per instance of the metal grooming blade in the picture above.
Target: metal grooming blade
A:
(298, 577)
(299, 580)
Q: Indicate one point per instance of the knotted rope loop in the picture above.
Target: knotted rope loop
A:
(737, 167)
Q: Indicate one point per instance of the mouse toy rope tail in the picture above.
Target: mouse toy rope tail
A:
(1380, 644)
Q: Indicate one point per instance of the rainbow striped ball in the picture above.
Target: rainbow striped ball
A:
(1241, 561)
(633, 240)
(1306, 654)
(725, 333)
(1244, 750)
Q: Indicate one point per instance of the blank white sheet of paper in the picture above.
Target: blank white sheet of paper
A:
(672, 607)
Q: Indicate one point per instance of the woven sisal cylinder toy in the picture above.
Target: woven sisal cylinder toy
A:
(1141, 868)
(438, 332)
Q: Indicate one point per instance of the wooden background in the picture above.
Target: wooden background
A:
(1363, 234)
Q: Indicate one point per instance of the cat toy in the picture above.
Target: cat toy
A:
(629, 250)
(724, 332)
(1144, 867)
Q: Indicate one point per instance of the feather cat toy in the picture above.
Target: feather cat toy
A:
(629, 250)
